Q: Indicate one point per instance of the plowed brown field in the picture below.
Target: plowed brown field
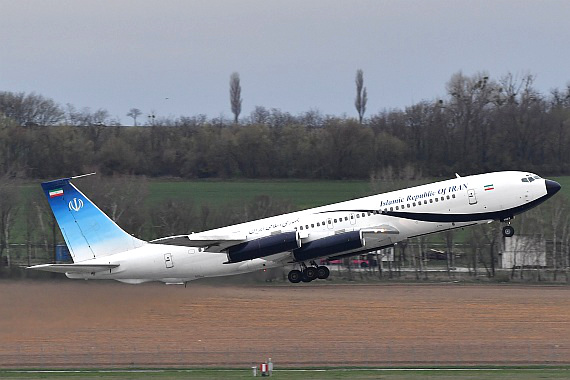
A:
(90, 324)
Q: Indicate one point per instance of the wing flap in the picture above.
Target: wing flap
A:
(381, 229)
(73, 268)
(213, 243)
(181, 240)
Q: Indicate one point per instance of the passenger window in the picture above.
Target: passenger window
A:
(301, 228)
(363, 214)
(346, 218)
(391, 208)
(358, 215)
(442, 198)
(414, 204)
(425, 201)
(318, 224)
(335, 220)
(312, 225)
(452, 195)
(397, 207)
(431, 200)
(437, 199)
(448, 197)
(307, 226)
(330, 221)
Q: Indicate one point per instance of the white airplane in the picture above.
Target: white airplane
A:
(100, 249)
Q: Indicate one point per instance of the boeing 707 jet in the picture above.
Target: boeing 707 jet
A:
(100, 249)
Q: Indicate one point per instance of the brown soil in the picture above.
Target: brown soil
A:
(90, 324)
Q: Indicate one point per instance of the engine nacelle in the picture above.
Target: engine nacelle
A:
(329, 246)
(265, 246)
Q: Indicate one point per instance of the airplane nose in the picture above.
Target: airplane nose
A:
(552, 187)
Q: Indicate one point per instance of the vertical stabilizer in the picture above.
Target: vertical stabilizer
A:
(87, 231)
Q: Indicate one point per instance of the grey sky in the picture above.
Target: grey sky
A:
(293, 55)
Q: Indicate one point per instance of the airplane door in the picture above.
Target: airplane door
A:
(471, 196)
(168, 260)
(329, 223)
(352, 218)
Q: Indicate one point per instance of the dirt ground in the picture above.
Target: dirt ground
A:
(91, 324)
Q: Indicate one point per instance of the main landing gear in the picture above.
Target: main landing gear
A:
(308, 273)
(508, 230)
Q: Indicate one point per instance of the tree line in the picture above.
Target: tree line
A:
(482, 124)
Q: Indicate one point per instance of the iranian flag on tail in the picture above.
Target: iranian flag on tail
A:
(55, 193)
(488, 187)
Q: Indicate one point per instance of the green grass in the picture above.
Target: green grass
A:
(565, 183)
(531, 372)
(302, 194)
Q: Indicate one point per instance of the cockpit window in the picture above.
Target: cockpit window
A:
(530, 178)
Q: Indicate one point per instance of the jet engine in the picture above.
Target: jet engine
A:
(328, 246)
(265, 246)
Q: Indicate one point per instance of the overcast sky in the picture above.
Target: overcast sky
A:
(176, 57)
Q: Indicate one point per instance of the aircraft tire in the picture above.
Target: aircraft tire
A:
(323, 272)
(295, 276)
(310, 273)
(508, 231)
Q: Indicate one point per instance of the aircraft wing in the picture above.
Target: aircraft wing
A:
(74, 268)
(213, 243)
(384, 229)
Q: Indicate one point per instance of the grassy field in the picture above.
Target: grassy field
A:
(499, 373)
(302, 194)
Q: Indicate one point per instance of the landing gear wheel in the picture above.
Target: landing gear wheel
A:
(310, 273)
(323, 272)
(508, 231)
(295, 276)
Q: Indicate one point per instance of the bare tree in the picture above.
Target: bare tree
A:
(30, 109)
(448, 238)
(134, 113)
(235, 95)
(121, 198)
(361, 95)
(9, 204)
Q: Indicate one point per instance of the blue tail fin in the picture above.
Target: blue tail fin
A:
(87, 231)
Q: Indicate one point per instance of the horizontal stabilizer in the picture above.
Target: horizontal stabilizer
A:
(74, 268)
